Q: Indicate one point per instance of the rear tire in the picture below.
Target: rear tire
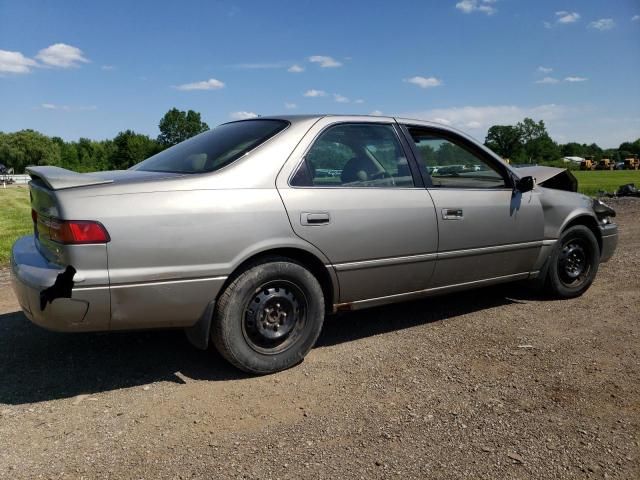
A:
(269, 317)
(573, 264)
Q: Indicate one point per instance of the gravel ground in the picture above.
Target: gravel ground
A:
(494, 383)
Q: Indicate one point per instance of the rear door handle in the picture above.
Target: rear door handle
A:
(452, 214)
(315, 218)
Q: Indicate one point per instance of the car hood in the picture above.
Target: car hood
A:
(541, 174)
(550, 177)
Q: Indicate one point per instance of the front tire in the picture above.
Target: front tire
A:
(574, 263)
(269, 317)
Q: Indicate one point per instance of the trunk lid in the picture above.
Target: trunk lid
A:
(56, 178)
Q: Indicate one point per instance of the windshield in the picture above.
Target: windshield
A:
(214, 149)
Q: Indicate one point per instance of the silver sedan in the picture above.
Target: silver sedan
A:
(250, 233)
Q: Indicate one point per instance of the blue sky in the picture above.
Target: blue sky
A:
(92, 68)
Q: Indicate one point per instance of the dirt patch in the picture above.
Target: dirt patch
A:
(494, 383)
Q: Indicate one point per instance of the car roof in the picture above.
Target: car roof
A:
(355, 117)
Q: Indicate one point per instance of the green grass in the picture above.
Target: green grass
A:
(15, 218)
(590, 182)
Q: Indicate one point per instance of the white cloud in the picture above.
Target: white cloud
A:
(376, 113)
(547, 80)
(315, 93)
(567, 17)
(211, 84)
(290, 106)
(583, 124)
(603, 24)
(68, 108)
(545, 69)
(242, 115)
(340, 98)
(470, 6)
(575, 79)
(295, 69)
(424, 82)
(482, 117)
(635, 18)
(15, 62)
(107, 67)
(359, 100)
(324, 61)
(61, 55)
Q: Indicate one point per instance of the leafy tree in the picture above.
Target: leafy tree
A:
(631, 147)
(28, 147)
(530, 130)
(131, 148)
(505, 140)
(177, 126)
(572, 149)
(542, 149)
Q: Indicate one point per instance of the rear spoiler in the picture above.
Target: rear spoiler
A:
(57, 178)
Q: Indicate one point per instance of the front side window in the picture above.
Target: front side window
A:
(450, 165)
(214, 149)
(355, 155)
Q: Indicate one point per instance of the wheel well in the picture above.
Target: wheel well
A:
(306, 259)
(588, 222)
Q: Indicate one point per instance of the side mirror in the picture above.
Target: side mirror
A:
(525, 184)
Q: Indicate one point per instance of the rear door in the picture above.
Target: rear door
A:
(351, 190)
(487, 230)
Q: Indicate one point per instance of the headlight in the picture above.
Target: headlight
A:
(603, 211)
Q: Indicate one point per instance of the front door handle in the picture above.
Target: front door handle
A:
(452, 214)
(315, 218)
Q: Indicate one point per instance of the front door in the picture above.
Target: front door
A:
(355, 198)
(487, 230)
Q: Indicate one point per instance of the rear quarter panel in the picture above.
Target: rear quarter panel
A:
(171, 251)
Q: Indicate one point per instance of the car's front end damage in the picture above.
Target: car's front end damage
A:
(563, 206)
(608, 229)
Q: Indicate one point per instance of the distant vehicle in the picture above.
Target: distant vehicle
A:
(618, 166)
(632, 163)
(587, 164)
(6, 175)
(234, 236)
(576, 160)
(605, 164)
(450, 169)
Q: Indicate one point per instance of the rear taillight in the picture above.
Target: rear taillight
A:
(75, 232)
(70, 232)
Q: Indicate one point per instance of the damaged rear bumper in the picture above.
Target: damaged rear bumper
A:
(72, 309)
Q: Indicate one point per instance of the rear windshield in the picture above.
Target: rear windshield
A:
(214, 149)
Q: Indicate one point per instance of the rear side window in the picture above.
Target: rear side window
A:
(214, 149)
(354, 156)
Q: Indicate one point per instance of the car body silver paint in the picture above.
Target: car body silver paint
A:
(176, 239)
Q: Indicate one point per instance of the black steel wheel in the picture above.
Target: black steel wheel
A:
(574, 262)
(269, 317)
(274, 317)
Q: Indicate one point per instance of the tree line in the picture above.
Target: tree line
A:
(19, 150)
(529, 142)
(526, 142)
